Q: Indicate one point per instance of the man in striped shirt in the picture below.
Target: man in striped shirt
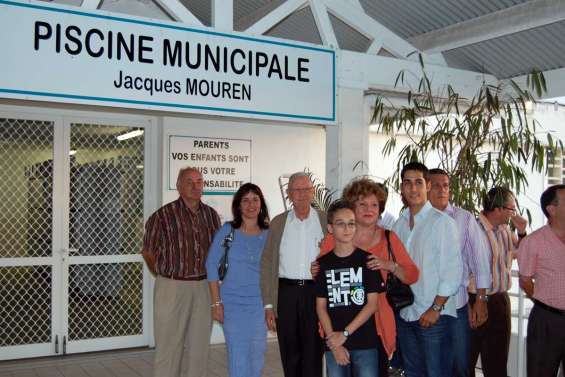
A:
(476, 270)
(492, 340)
(175, 247)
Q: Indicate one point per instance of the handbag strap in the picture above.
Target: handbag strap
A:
(390, 253)
(228, 239)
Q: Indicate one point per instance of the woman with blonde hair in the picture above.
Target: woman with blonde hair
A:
(368, 199)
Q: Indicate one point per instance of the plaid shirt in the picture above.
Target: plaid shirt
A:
(542, 256)
(179, 239)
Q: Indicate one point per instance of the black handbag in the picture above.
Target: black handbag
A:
(224, 261)
(398, 294)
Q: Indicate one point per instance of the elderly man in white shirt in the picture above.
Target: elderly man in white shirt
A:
(287, 286)
(431, 239)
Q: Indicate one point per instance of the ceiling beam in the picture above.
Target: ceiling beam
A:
(323, 23)
(274, 17)
(90, 4)
(511, 20)
(222, 15)
(179, 12)
(369, 27)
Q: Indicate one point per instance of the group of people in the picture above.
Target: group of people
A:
(319, 280)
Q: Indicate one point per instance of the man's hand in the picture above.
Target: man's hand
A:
(429, 318)
(520, 223)
(335, 339)
(270, 319)
(478, 314)
(314, 269)
(218, 313)
(341, 355)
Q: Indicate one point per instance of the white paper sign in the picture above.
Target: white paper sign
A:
(63, 54)
(225, 164)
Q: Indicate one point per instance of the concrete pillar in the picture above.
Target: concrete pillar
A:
(347, 143)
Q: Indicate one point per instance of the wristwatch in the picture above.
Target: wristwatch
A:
(483, 298)
(346, 333)
(437, 308)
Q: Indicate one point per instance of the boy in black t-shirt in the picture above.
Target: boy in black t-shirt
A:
(347, 300)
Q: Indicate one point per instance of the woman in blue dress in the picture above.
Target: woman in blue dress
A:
(236, 301)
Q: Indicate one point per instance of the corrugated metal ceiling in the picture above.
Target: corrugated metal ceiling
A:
(540, 48)
(299, 26)
(201, 9)
(347, 37)
(408, 18)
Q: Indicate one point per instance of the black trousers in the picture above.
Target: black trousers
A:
(545, 343)
(492, 340)
(300, 344)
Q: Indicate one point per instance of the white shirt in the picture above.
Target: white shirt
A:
(433, 244)
(300, 245)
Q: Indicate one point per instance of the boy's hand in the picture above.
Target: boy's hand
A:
(341, 355)
(314, 268)
(335, 340)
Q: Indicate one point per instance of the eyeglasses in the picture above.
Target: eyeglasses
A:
(513, 210)
(301, 190)
(341, 225)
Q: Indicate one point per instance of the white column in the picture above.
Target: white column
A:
(347, 143)
(222, 15)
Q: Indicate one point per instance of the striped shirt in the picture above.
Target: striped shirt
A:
(542, 256)
(179, 239)
(503, 244)
(476, 253)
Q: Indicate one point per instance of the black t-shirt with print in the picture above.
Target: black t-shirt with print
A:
(345, 283)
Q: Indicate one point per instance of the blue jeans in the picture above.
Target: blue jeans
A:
(426, 352)
(362, 363)
(461, 332)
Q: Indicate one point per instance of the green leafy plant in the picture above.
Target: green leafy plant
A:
(323, 196)
(481, 142)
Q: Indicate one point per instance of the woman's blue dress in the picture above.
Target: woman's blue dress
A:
(244, 319)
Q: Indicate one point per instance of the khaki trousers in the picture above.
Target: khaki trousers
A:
(183, 324)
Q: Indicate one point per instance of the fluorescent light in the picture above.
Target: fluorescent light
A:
(129, 135)
(72, 152)
(139, 166)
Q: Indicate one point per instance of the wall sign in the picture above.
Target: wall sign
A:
(225, 164)
(63, 54)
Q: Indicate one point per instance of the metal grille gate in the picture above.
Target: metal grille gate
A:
(88, 294)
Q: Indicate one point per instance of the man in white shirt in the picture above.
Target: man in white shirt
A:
(289, 293)
(431, 239)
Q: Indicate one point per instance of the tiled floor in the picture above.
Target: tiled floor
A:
(126, 363)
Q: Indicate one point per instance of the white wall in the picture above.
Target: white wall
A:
(275, 149)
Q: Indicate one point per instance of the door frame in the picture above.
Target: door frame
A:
(62, 119)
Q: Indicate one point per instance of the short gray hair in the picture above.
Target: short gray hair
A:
(295, 176)
(184, 170)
